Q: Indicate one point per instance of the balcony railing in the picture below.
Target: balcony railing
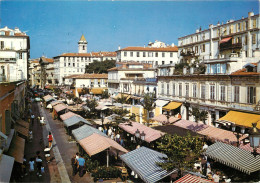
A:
(224, 46)
(188, 53)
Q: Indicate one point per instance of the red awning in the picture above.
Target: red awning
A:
(225, 40)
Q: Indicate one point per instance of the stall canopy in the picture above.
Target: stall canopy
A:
(234, 157)
(85, 131)
(241, 119)
(56, 102)
(143, 161)
(68, 115)
(75, 120)
(16, 149)
(163, 119)
(97, 91)
(23, 123)
(209, 131)
(22, 130)
(59, 107)
(96, 143)
(48, 98)
(101, 107)
(120, 95)
(172, 105)
(160, 103)
(6, 166)
(150, 134)
(192, 178)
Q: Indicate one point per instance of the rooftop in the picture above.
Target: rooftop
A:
(166, 49)
(88, 76)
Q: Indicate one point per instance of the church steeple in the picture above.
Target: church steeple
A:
(82, 44)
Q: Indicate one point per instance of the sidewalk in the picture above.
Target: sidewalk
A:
(51, 172)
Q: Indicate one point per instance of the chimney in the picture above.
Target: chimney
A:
(197, 30)
(119, 48)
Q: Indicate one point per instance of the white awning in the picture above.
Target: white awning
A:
(161, 103)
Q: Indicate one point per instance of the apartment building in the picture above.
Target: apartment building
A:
(157, 53)
(14, 54)
(219, 73)
(47, 71)
(75, 63)
(122, 77)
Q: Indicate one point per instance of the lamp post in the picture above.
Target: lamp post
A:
(143, 136)
(237, 133)
(254, 138)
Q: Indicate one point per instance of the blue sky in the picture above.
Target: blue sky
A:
(55, 27)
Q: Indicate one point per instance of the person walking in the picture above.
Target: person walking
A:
(81, 163)
(31, 164)
(32, 118)
(39, 165)
(50, 139)
(74, 164)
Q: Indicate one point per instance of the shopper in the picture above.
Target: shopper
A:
(50, 139)
(31, 163)
(74, 164)
(81, 164)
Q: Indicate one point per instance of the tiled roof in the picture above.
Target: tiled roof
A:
(242, 72)
(88, 76)
(166, 49)
(50, 60)
(92, 54)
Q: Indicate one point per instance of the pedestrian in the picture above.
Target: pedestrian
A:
(41, 104)
(39, 165)
(109, 132)
(77, 155)
(31, 164)
(42, 170)
(216, 177)
(74, 164)
(105, 130)
(179, 115)
(50, 138)
(24, 173)
(117, 137)
(112, 136)
(32, 118)
(30, 135)
(122, 142)
(47, 154)
(81, 164)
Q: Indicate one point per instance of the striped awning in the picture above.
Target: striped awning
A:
(67, 115)
(6, 167)
(16, 149)
(241, 119)
(172, 105)
(75, 120)
(234, 157)
(85, 131)
(59, 107)
(96, 143)
(143, 161)
(23, 123)
(150, 134)
(191, 179)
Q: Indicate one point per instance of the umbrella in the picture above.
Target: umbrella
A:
(49, 106)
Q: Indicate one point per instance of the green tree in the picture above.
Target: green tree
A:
(148, 103)
(100, 67)
(199, 115)
(105, 94)
(92, 112)
(182, 151)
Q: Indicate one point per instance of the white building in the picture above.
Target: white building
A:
(157, 53)
(121, 77)
(75, 63)
(230, 79)
(14, 54)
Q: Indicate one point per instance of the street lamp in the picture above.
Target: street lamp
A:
(254, 138)
(237, 133)
(137, 133)
(142, 136)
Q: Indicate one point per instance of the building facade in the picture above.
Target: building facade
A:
(157, 53)
(122, 77)
(14, 54)
(47, 71)
(75, 63)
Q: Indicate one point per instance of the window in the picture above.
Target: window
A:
(131, 54)
(253, 38)
(223, 68)
(246, 25)
(236, 94)
(69, 64)
(137, 54)
(2, 44)
(77, 70)
(208, 68)
(245, 40)
(203, 48)
(171, 54)
(173, 89)
(180, 89)
(251, 95)
(64, 64)
(231, 29)
(203, 91)
(196, 49)
(212, 92)
(168, 89)
(171, 62)
(218, 68)
(254, 23)
(194, 91)
(125, 54)
(144, 55)
(187, 90)
(238, 27)
(83, 47)
(223, 93)
(162, 62)
(156, 54)
(73, 64)
(156, 62)
(150, 54)
(214, 68)
(162, 88)
(20, 55)
(77, 64)
(163, 54)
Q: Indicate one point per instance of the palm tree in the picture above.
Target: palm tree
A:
(148, 103)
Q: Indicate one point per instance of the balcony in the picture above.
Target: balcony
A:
(113, 80)
(188, 53)
(228, 46)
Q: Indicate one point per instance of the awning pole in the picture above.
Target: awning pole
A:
(107, 158)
